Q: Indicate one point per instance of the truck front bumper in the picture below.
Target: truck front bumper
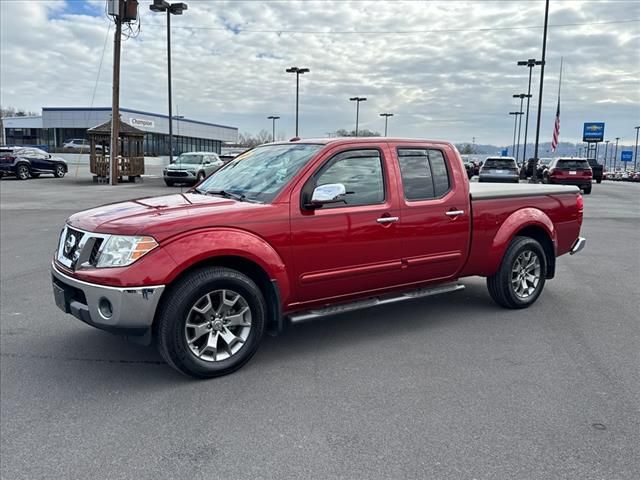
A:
(128, 311)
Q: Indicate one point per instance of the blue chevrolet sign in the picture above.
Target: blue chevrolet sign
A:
(626, 156)
(593, 132)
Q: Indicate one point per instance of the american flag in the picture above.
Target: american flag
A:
(556, 129)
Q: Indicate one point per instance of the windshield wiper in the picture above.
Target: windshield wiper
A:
(226, 194)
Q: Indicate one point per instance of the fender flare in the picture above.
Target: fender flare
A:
(196, 246)
(516, 222)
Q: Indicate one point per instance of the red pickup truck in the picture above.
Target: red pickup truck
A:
(296, 230)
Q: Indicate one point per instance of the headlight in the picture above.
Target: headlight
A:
(120, 251)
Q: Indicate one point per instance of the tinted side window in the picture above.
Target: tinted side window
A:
(361, 174)
(417, 180)
(424, 173)
(440, 173)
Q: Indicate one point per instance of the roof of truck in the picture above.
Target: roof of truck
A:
(338, 140)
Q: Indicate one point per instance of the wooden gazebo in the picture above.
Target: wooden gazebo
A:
(130, 155)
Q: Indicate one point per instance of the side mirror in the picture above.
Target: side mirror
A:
(206, 162)
(329, 193)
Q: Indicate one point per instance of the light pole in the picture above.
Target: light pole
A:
(357, 100)
(606, 147)
(515, 123)
(542, 63)
(615, 155)
(532, 62)
(160, 6)
(635, 155)
(521, 96)
(386, 119)
(273, 127)
(298, 71)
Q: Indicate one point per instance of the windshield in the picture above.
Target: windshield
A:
(190, 159)
(260, 174)
(499, 163)
(544, 161)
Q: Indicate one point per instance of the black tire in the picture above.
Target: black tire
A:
(587, 190)
(23, 172)
(598, 180)
(59, 171)
(171, 321)
(200, 177)
(500, 285)
(169, 183)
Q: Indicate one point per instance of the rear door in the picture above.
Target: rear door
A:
(346, 248)
(435, 216)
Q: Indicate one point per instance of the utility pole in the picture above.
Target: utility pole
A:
(115, 98)
(615, 155)
(606, 147)
(544, 52)
(386, 120)
(635, 155)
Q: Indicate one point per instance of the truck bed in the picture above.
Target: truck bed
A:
(486, 191)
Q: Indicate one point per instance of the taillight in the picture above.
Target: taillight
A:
(580, 203)
(552, 171)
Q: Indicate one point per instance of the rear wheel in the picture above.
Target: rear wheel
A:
(587, 189)
(22, 171)
(599, 180)
(521, 276)
(211, 323)
(59, 171)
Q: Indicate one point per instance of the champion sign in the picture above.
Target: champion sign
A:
(142, 123)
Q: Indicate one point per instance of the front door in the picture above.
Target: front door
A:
(435, 221)
(346, 248)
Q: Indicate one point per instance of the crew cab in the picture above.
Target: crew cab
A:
(292, 231)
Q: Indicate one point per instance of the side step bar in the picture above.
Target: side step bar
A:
(373, 302)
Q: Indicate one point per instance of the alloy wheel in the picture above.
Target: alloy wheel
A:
(525, 274)
(218, 325)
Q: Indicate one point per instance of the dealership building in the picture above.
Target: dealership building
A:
(58, 125)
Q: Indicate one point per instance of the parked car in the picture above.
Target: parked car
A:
(191, 168)
(570, 171)
(79, 144)
(542, 166)
(635, 177)
(26, 162)
(499, 170)
(597, 169)
(298, 230)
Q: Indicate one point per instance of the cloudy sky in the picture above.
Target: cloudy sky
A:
(446, 70)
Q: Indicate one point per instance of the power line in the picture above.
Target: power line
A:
(399, 32)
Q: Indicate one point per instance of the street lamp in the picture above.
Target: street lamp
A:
(521, 96)
(357, 100)
(635, 155)
(615, 155)
(386, 119)
(160, 6)
(515, 122)
(273, 127)
(606, 147)
(298, 71)
(532, 62)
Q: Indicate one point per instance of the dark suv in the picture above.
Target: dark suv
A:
(597, 169)
(25, 162)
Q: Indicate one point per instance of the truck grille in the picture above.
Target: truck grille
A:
(77, 247)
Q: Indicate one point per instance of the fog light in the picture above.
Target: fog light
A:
(105, 308)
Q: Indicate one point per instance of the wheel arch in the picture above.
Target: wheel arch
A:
(270, 288)
(527, 222)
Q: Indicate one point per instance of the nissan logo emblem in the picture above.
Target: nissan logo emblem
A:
(69, 244)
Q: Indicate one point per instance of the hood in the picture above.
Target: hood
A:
(162, 217)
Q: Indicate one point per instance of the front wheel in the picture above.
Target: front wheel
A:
(211, 323)
(59, 171)
(521, 276)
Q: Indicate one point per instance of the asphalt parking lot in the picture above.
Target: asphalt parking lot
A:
(444, 387)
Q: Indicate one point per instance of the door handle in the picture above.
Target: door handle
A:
(387, 219)
(454, 213)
